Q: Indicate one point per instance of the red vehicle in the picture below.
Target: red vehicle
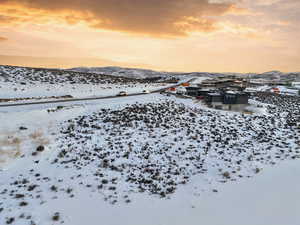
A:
(200, 97)
(276, 90)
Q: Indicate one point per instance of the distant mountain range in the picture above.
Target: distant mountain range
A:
(129, 71)
(148, 74)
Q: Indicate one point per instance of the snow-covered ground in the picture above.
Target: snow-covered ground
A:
(144, 73)
(258, 88)
(288, 91)
(271, 197)
(17, 82)
(121, 72)
(149, 160)
(283, 90)
(75, 90)
(199, 80)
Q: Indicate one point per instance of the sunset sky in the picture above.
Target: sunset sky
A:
(172, 35)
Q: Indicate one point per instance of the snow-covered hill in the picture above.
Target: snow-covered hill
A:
(79, 164)
(150, 159)
(54, 76)
(151, 74)
(123, 72)
(23, 82)
(136, 73)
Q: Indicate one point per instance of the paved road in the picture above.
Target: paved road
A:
(68, 100)
(88, 99)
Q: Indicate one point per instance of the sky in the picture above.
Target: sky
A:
(171, 35)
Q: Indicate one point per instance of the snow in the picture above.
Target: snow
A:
(268, 198)
(75, 90)
(259, 88)
(123, 72)
(150, 159)
(144, 73)
(287, 91)
(199, 80)
(26, 83)
(296, 85)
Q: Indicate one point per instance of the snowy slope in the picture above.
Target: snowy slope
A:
(144, 74)
(268, 198)
(145, 159)
(20, 82)
(150, 159)
(123, 72)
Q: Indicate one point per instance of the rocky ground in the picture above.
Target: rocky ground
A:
(281, 106)
(152, 148)
(24, 75)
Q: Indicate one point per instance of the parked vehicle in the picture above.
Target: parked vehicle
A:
(146, 91)
(122, 93)
(200, 97)
(185, 84)
(180, 91)
(275, 90)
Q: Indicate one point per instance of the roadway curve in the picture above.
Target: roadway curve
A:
(90, 98)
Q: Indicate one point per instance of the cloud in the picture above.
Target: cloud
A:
(160, 18)
(235, 10)
(267, 2)
(3, 39)
(239, 30)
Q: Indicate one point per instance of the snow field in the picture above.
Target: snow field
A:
(120, 154)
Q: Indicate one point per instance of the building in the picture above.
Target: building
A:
(236, 101)
(267, 82)
(238, 84)
(198, 91)
(227, 94)
(193, 91)
(296, 84)
(214, 100)
(258, 82)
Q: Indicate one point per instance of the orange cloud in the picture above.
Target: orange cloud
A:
(3, 39)
(282, 23)
(242, 30)
(162, 18)
(234, 10)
